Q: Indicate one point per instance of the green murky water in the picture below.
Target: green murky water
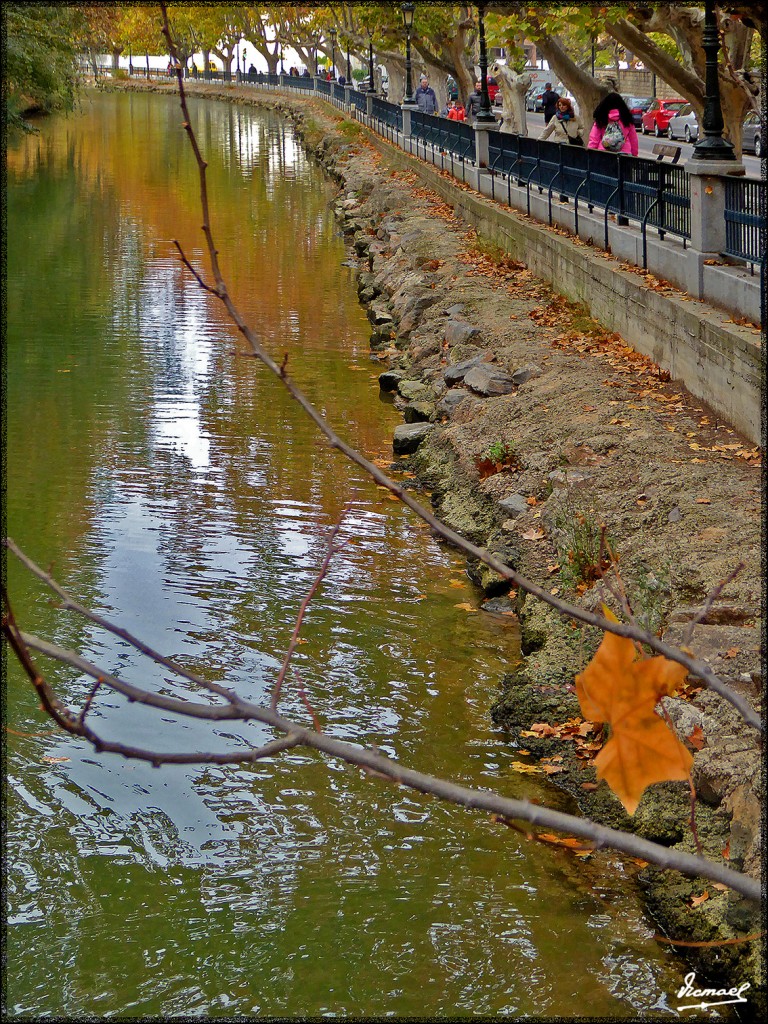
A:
(175, 486)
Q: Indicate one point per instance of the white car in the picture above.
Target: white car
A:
(684, 125)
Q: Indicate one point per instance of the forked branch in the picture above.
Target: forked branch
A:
(234, 707)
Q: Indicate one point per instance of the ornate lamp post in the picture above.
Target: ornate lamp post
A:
(370, 62)
(333, 54)
(712, 146)
(349, 67)
(282, 65)
(130, 60)
(407, 12)
(485, 114)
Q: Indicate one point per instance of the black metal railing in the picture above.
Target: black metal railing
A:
(745, 220)
(323, 86)
(632, 188)
(453, 138)
(339, 93)
(388, 115)
(359, 100)
(301, 82)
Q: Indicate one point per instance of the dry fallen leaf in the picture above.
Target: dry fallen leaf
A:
(465, 607)
(622, 689)
(697, 739)
(698, 900)
(570, 842)
(533, 534)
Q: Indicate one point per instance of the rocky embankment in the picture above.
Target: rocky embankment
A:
(532, 428)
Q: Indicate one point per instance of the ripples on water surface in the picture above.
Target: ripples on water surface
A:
(174, 486)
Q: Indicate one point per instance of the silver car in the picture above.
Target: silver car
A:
(752, 134)
(684, 125)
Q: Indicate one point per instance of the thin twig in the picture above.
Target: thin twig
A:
(192, 270)
(68, 603)
(701, 615)
(89, 700)
(329, 553)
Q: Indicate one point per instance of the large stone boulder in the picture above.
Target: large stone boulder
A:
(409, 436)
(489, 381)
(457, 332)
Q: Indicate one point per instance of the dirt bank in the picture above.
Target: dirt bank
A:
(532, 428)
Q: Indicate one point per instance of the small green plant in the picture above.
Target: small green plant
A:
(351, 129)
(501, 451)
(498, 455)
(585, 551)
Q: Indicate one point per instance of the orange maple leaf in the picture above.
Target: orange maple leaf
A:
(622, 688)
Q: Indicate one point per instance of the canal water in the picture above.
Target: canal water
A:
(171, 483)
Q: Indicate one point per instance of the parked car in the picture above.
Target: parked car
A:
(534, 99)
(637, 107)
(658, 115)
(684, 125)
(752, 134)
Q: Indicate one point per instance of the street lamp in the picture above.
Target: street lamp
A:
(349, 69)
(407, 12)
(370, 62)
(333, 54)
(282, 65)
(712, 146)
(484, 114)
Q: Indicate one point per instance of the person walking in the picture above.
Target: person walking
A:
(426, 100)
(456, 111)
(472, 108)
(549, 102)
(613, 130)
(566, 127)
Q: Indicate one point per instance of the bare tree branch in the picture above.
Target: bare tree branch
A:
(369, 760)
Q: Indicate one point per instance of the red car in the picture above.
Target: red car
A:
(659, 114)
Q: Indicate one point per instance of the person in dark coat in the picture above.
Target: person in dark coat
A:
(472, 108)
(426, 100)
(549, 101)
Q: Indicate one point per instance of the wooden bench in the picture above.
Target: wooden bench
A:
(661, 149)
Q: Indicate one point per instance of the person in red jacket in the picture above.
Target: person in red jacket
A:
(456, 111)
